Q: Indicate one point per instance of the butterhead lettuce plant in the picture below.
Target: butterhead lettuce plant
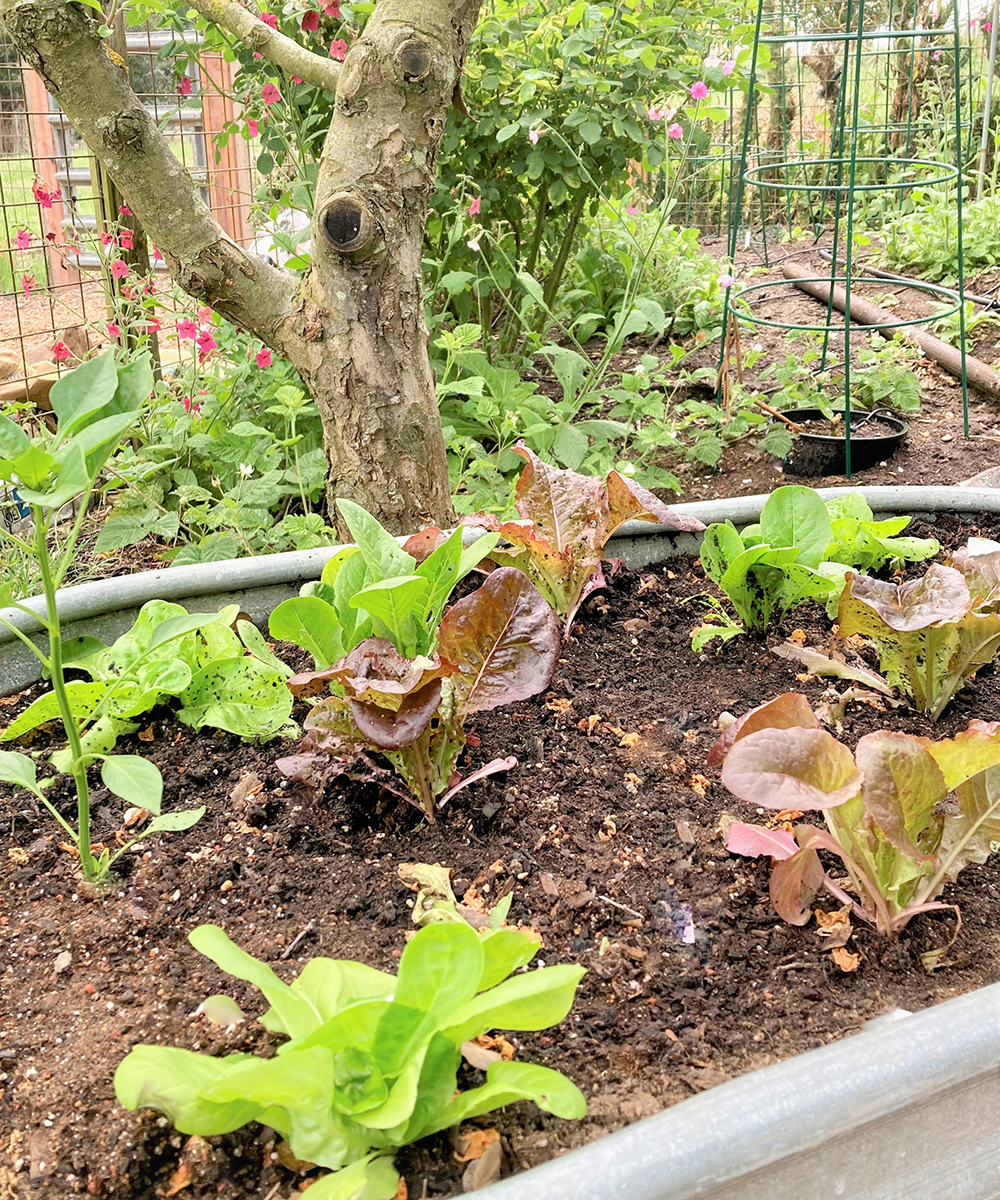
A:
(496, 646)
(371, 1061)
(564, 521)
(882, 806)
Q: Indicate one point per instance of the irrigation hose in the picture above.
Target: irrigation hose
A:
(985, 301)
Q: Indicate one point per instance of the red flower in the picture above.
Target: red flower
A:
(119, 268)
(112, 330)
(270, 94)
(206, 343)
(125, 237)
(333, 9)
(269, 19)
(154, 326)
(124, 211)
(107, 239)
(475, 206)
(263, 357)
(43, 197)
(310, 22)
(184, 87)
(23, 239)
(190, 407)
(338, 49)
(252, 127)
(187, 329)
(60, 352)
(27, 283)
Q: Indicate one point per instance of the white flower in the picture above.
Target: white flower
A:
(473, 244)
(246, 470)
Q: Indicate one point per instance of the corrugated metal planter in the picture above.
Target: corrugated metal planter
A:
(908, 1109)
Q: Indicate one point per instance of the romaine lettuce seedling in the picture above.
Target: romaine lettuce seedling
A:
(932, 633)
(565, 521)
(371, 1061)
(378, 587)
(882, 806)
(496, 646)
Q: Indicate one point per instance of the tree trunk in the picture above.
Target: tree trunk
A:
(353, 327)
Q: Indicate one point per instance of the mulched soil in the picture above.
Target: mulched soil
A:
(609, 827)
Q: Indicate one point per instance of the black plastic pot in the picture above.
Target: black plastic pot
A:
(825, 454)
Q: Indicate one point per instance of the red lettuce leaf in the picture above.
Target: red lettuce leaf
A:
(376, 673)
(791, 768)
(391, 730)
(940, 597)
(786, 711)
(793, 886)
(502, 641)
(754, 840)
(902, 785)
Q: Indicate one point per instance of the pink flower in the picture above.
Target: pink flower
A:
(190, 406)
(263, 358)
(296, 79)
(27, 283)
(338, 49)
(711, 62)
(270, 94)
(725, 281)
(987, 26)
(43, 197)
(60, 352)
(184, 87)
(475, 206)
(310, 22)
(154, 326)
(729, 66)
(333, 9)
(206, 343)
(186, 329)
(698, 91)
(23, 239)
(252, 128)
(124, 211)
(157, 256)
(675, 131)
(533, 136)
(655, 114)
(631, 210)
(107, 239)
(125, 237)
(112, 330)
(936, 55)
(119, 268)
(269, 19)
(205, 315)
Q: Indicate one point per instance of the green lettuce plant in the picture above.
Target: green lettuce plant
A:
(496, 646)
(378, 587)
(858, 540)
(883, 807)
(371, 1061)
(94, 406)
(932, 633)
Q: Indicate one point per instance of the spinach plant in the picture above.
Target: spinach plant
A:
(932, 633)
(498, 645)
(881, 805)
(371, 1061)
(94, 406)
(776, 565)
(396, 592)
(565, 521)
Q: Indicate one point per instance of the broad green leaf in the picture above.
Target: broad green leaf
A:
(796, 516)
(135, 780)
(84, 699)
(399, 1105)
(171, 1080)
(510, 1081)
(397, 607)
(19, 770)
(71, 479)
(534, 1000)
(135, 384)
(13, 440)
(331, 985)
(83, 392)
(174, 822)
(311, 623)
(504, 951)
(720, 546)
(253, 639)
(241, 695)
(32, 468)
(370, 1178)
(902, 786)
(292, 1013)
(182, 623)
(383, 555)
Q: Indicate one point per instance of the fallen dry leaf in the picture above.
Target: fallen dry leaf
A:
(473, 1143)
(497, 1041)
(608, 827)
(803, 677)
(481, 1172)
(834, 927)
(548, 885)
(677, 766)
(401, 1192)
(632, 783)
(690, 735)
(69, 848)
(147, 734)
(646, 584)
(561, 705)
(180, 1179)
(699, 785)
(845, 959)
(247, 786)
(18, 856)
(135, 816)
(589, 724)
(630, 739)
(798, 636)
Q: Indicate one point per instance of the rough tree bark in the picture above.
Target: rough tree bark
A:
(353, 326)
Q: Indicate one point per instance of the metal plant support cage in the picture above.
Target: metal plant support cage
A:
(881, 58)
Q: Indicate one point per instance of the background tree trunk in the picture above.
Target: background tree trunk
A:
(353, 326)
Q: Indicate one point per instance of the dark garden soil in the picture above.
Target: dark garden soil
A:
(607, 830)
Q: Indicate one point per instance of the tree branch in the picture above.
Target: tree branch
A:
(61, 43)
(274, 46)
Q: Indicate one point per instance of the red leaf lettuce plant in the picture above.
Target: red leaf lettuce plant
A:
(880, 804)
(564, 521)
(496, 646)
(932, 633)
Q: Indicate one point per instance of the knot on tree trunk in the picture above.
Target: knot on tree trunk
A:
(349, 225)
(125, 130)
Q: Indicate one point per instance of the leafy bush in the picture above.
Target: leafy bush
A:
(922, 239)
(565, 519)
(494, 647)
(371, 1061)
(932, 633)
(882, 807)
